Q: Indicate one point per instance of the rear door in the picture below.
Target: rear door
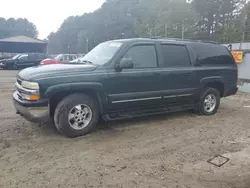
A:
(33, 60)
(39, 57)
(178, 74)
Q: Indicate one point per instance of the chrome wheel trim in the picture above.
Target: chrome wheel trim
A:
(80, 116)
(210, 103)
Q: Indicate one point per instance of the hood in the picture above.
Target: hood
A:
(6, 60)
(43, 71)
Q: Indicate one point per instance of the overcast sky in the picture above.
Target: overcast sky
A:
(47, 15)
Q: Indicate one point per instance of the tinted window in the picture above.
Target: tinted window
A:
(40, 56)
(175, 56)
(70, 58)
(212, 54)
(143, 56)
(23, 57)
(32, 57)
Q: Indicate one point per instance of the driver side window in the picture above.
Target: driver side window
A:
(23, 58)
(143, 56)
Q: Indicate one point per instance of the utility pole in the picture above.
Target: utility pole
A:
(87, 44)
(69, 48)
(182, 32)
(166, 30)
(243, 23)
(150, 32)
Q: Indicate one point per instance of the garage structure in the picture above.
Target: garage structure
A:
(22, 44)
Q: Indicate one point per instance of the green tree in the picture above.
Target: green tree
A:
(217, 19)
(197, 19)
(14, 27)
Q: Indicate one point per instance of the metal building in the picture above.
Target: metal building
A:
(22, 44)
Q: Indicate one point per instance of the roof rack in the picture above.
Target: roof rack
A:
(187, 40)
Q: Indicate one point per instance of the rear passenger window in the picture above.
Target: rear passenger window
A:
(143, 56)
(175, 56)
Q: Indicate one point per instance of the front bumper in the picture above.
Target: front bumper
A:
(2, 66)
(37, 111)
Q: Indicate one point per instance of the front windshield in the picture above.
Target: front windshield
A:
(78, 60)
(58, 57)
(16, 56)
(102, 53)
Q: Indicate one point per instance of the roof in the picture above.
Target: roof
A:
(22, 39)
(172, 40)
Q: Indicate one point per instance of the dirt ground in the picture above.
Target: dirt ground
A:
(159, 151)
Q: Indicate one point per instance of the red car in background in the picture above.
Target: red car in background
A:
(61, 58)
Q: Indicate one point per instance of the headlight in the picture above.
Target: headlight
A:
(30, 85)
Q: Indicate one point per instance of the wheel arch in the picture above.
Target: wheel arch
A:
(58, 92)
(214, 82)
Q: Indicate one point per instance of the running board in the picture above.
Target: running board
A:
(145, 112)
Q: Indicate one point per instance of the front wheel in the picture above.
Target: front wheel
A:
(76, 115)
(209, 102)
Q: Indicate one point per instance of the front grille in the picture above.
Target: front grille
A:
(19, 95)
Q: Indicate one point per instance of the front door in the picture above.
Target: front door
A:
(23, 61)
(136, 87)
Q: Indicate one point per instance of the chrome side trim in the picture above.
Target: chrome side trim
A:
(26, 91)
(134, 100)
(151, 98)
(173, 96)
(186, 95)
(170, 96)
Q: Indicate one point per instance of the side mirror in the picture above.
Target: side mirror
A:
(61, 59)
(126, 63)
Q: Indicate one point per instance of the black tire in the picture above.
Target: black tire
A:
(65, 106)
(200, 107)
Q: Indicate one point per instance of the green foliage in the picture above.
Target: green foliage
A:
(14, 27)
(219, 20)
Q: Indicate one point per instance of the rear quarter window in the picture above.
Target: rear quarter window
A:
(212, 54)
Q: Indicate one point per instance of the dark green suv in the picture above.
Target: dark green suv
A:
(127, 78)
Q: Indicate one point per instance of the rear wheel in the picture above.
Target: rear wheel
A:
(209, 102)
(76, 115)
